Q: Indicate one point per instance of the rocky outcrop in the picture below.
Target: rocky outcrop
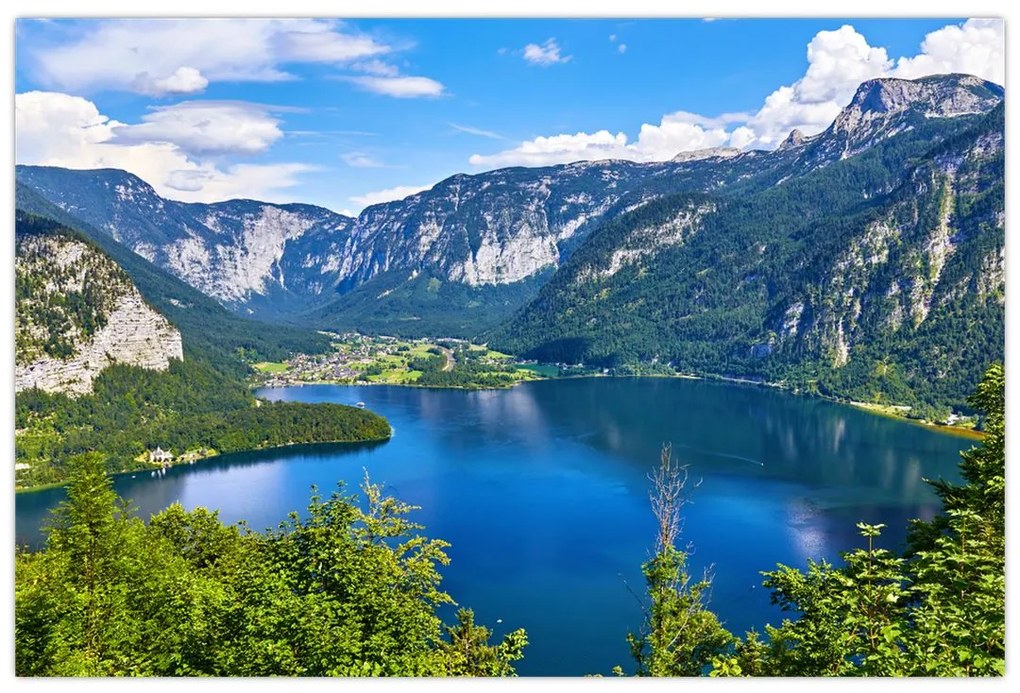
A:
(77, 313)
(647, 241)
(707, 153)
(884, 107)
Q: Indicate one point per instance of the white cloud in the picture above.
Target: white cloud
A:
(546, 54)
(205, 127)
(376, 67)
(55, 129)
(975, 48)
(675, 133)
(838, 61)
(477, 131)
(399, 87)
(388, 195)
(166, 56)
(184, 80)
(622, 48)
(361, 160)
(612, 38)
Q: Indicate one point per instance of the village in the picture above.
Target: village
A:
(362, 359)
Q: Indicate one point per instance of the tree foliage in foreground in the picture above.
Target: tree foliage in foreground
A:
(679, 636)
(937, 609)
(349, 589)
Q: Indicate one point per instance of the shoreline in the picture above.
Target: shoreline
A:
(190, 462)
(885, 410)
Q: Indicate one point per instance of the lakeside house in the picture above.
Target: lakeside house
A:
(160, 456)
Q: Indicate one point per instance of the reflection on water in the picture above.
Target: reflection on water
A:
(543, 493)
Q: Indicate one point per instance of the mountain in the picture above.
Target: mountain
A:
(471, 248)
(701, 260)
(461, 257)
(210, 332)
(878, 275)
(77, 312)
(238, 252)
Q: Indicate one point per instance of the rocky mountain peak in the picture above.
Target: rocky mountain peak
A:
(794, 139)
(937, 96)
(707, 153)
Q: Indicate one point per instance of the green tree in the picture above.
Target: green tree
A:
(468, 652)
(350, 589)
(680, 636)
(936, 610)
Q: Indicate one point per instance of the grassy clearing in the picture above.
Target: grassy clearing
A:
(899, 412)
(543, 369)
(270, 367)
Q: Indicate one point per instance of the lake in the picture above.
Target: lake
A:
(542, 491)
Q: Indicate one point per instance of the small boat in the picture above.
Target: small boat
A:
(361, 405)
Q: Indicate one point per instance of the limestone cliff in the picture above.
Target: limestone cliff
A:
(76, 313)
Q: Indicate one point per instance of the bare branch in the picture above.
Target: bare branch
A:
(667, 497)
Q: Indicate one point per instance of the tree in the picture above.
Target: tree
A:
(350, 589)
(936, 610)
(680, 636)
(469, 653)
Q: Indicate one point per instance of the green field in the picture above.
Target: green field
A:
(270, 367)
(543, 369)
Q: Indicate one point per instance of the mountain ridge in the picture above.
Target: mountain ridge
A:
(473, 251)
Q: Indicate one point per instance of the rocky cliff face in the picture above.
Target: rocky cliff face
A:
(77, 313)
(882, 108)
(936, 248)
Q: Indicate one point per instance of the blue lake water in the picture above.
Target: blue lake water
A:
(542, 492)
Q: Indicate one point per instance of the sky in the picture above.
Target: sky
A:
(348, 113)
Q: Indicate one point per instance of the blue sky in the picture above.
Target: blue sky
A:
(346, 113)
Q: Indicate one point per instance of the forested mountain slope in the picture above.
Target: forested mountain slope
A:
(823, 280)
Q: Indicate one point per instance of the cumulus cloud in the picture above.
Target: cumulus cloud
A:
(388, 195)
(184, 80)
(181, 56)
(205, 127)
(399, 87)
(622, 48)
(546, 54)
(837, 62)
(676, 132)
(55, 129)
(975, 48)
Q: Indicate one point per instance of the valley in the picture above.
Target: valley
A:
(382, 360)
